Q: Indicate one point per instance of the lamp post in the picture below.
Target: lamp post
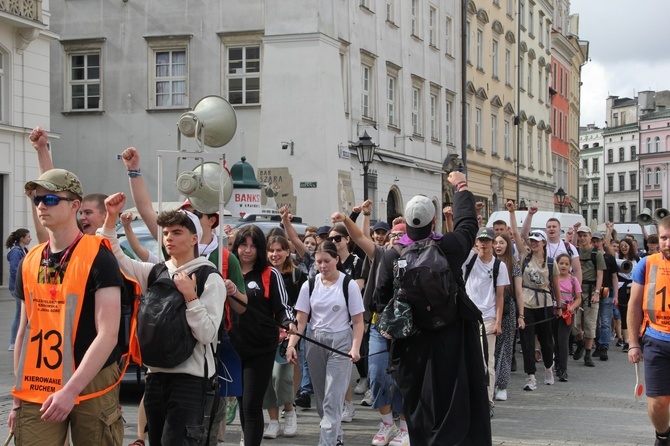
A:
(622, 210)
(365, 149)
(560, 197)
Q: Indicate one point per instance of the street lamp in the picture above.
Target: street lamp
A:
(365, 149)
(560, 197)
(622, 209)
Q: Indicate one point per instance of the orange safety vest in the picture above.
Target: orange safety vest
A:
(53, 312)
(656, 294)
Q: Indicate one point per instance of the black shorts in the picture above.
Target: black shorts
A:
(656, 366)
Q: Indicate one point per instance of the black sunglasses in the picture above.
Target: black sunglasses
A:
(337, 239)
(50, 199)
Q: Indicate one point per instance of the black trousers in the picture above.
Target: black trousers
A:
(175, 403)
(256, 374)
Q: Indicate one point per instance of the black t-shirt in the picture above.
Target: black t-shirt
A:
(353, 266)
(612, 268)
(293, 282)
(104, 273)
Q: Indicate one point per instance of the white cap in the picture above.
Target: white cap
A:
(196, 223)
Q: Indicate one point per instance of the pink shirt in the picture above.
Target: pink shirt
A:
(567, 290)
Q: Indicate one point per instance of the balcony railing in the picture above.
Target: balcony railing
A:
(27, 9)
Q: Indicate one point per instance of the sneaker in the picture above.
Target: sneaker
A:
(273, 429)
(385, 433)
(579, 351)
(348, 412)
(367, 399)
(531, 384)
(362, 386)
(625, 347)
(402, 439)
(303, 400)
(563, 377)
(549, 376)
(290, 424)
(619, 342)
(603, 354)
(500, 395)
(231, 410)
(588, 362)
(597, 351)
(11, 347)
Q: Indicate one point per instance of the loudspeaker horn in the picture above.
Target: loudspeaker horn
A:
(645, 218)
(661, 213)
(625, 266)
(202, 185)
(212, 121)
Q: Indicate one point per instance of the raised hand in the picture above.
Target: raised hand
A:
(532, 210)
(38, 137)
(131, 158)
(114, 203)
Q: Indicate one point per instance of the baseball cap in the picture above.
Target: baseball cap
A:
(538, 235)
(381, 225)
(486, 233)
(584, 229)
(419, 214)
(598, 235)
(196, 222)
(187, 203)
(323, 230)
(57, 180)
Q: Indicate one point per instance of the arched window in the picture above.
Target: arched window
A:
(648, 145)
(657, 176)
(648, 177)
(657, 144)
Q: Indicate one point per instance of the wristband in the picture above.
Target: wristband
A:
(460, 184)
(522, 316)
(134, 173)
(631, 348)
(235, 293)
(367, 214)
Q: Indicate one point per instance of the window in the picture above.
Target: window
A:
(3, 88)
(657, 177)
(529, 145)
(658, 203)
(510, 8)
(480, 50)
(596, 190)
(647, 180)
(657, 144)
(560, 82)
(508, 67)
(610, 156)
(344, 74)
(530, 76)
(531, 19)
(478, 129)
(648, 204)
(494, 135)
(244, 75)
(648, 145)
(565, 128)
(633, 182)
(540, 33)
(365, 4)
(585, 164)
(633, 153)
(539, 150)
(585, 191)
(390, 10)
(522, 13)
(622, 182)
(170, 79)
(561, 174)
(610, 213)
(547, 30)
(494, 59)
(468, 123)
(539, 82)
(366, 79)
(447, 119)
(432, 24)
(468, 42)
(610, 183)
(621, 154)
(415, 17)
(508, 142)
(83, 75)
(521, 65)
(448, 40)
(434, 126)
(416, 110)
(596, 167)
(633, 209)
(391, 82)
(594, 214)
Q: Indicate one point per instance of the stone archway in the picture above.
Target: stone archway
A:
(394, 207)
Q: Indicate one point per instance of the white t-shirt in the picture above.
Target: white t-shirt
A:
(554, 249)
(480, 284)
(327, 304)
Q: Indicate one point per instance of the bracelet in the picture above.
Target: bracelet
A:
(134, 173)
(522, 316)
(367, 214)
(460, 184)
(631, 348)
(191, 300)
(235, 293)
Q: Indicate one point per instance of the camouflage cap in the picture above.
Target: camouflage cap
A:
(57, 180)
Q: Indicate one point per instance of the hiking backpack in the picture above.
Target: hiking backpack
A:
(163, 332)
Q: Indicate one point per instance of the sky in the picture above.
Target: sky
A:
(629, 51)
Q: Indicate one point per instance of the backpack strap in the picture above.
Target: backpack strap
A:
(225, 254)
(469, 266)
(568, 248)
(496, 270)
(158, 270)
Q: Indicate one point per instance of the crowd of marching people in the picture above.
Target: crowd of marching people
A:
(550, 295)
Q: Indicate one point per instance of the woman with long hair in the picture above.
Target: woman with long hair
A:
(502, 248)
(16, 243)
(253, 334)
(538, 308)
(331, 317)
(626, 252)
(280, 389)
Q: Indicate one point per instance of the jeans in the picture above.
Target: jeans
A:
(15, 322)
(305, 380)
(605, 322)
(381, 383)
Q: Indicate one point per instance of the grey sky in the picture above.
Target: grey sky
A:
(629, 50)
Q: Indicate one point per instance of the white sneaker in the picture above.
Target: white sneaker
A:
(549, 375)
(385, 433)
(362, 386)
(348, 412)
(531, 384)
(367, 399)
(402, 439)
(290, 424)
(273, 429)
(501, 395)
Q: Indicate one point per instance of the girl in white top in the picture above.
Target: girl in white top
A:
(331, 319)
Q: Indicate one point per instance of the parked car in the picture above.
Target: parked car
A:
(266, 221)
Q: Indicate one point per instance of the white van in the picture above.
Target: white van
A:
(539, 219)
(623, 229)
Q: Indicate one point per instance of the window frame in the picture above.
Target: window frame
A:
(171, 44)
(83, 47)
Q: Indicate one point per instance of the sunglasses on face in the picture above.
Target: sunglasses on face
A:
(335, 239)
(50, 199)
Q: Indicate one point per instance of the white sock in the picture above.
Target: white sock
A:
(388, 418)
(402, 424)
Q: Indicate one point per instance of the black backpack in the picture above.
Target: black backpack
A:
(345, 291)
(163, 332)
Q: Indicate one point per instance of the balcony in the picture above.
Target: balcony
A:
(25, 9)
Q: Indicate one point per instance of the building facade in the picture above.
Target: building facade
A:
(311, 77)
(24, 103)
(654, 155)
(592, 166)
